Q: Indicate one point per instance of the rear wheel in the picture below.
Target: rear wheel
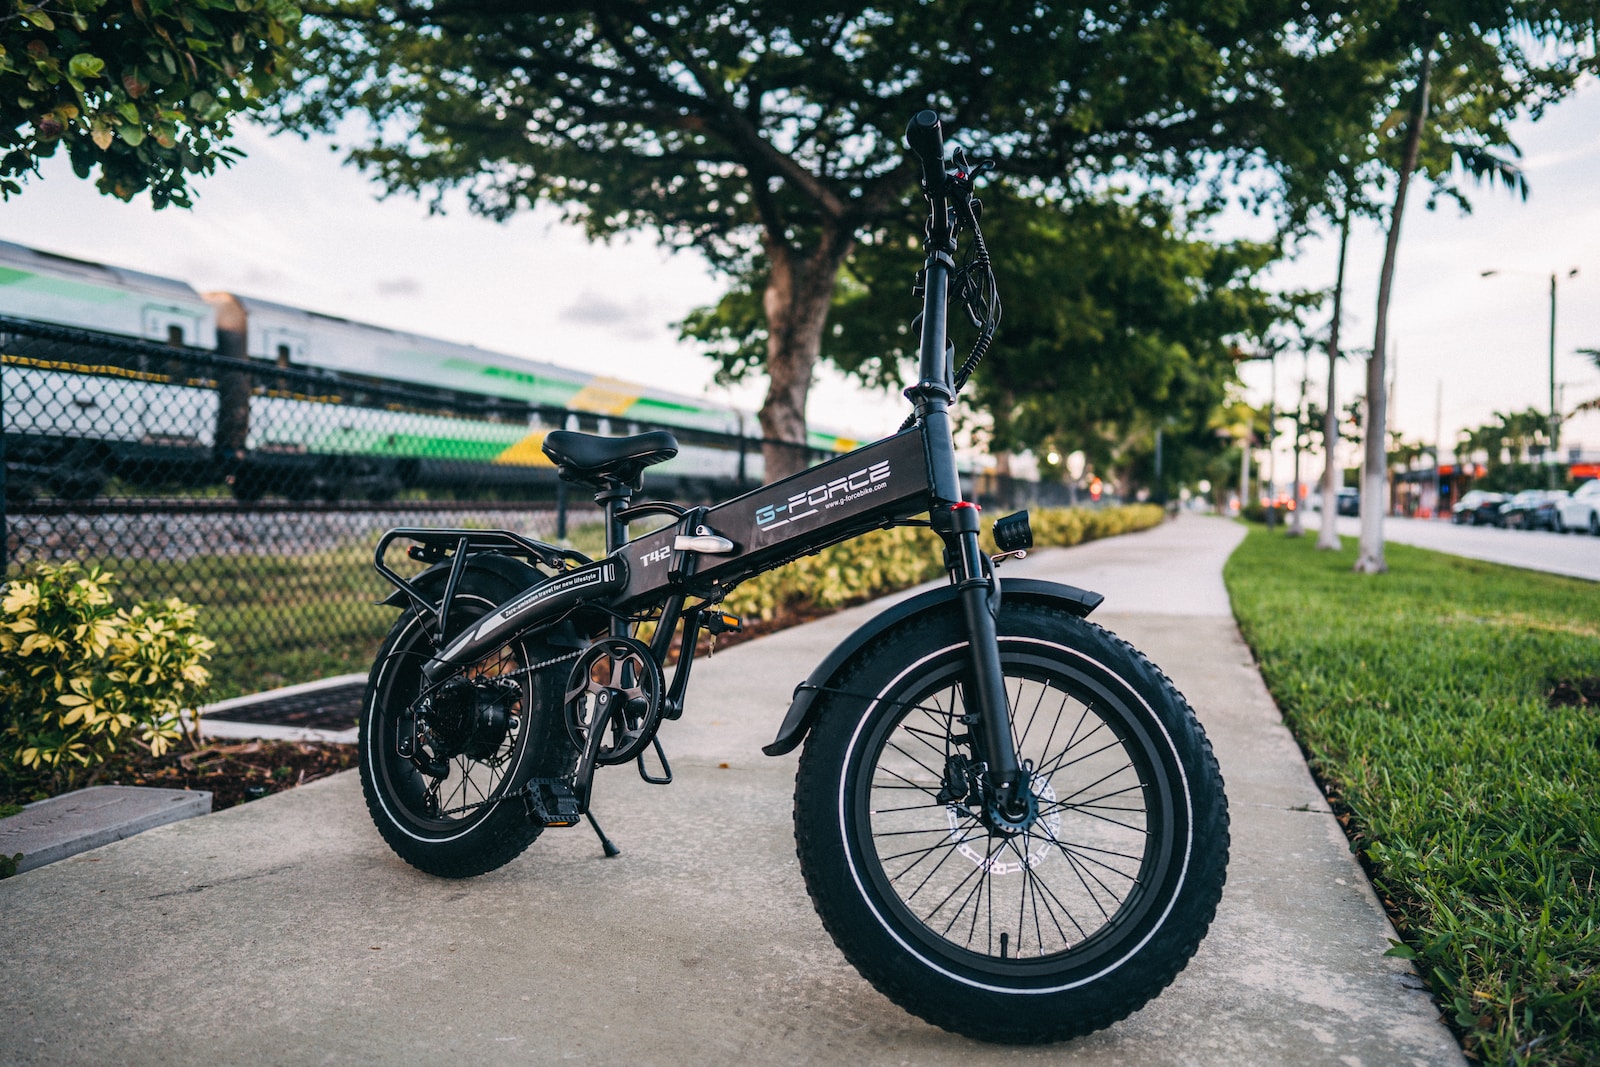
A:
(1029, 929)
(441, 772)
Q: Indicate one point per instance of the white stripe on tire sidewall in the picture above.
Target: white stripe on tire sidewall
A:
(383, 800)
(856, 875)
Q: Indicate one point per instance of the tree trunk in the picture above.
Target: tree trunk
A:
(1328, 538)
(1374, 475)
(233, 387)
(798, 297)
(1297, 525)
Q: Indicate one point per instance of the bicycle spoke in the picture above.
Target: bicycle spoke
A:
(1027, 896)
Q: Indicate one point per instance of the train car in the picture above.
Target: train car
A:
(338, 408)
(46, 287)
(192, 389)
(74, 412)
(513, 402)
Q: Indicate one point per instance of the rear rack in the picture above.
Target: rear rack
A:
(434, 545)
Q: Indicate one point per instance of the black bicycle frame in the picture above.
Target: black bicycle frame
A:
(707, 551)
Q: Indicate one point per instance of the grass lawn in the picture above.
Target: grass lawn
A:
(1440, 705)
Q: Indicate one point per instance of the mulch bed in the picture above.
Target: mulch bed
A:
(233, 772)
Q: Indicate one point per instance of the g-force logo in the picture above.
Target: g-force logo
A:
(831, 494)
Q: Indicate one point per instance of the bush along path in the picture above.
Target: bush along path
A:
(1449, 710)
(887, 561)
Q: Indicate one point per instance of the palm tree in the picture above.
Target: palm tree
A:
(1520, 431)
(1593, 404)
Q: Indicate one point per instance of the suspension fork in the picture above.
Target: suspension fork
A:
(980, 603)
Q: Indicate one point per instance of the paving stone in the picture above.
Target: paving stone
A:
(88, 818)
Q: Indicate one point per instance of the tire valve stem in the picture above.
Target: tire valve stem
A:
(1005, 941)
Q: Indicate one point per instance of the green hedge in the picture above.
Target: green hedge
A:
(885, 561)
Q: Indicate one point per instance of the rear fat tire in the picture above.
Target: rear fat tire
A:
(1102, 903)
(488, 836)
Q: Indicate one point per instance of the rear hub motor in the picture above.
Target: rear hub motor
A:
(472, 719)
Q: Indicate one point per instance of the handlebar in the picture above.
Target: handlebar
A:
(939, 382)
(925, 138)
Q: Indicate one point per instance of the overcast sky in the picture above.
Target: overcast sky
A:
(290, 224)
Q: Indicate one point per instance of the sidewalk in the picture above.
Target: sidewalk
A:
(285, 932)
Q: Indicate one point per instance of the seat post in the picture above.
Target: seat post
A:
(612, 498)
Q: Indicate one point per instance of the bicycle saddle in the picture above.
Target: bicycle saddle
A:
(589, 458)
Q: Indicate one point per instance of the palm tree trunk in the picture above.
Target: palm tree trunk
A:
(1375, 471)
(1328, 538)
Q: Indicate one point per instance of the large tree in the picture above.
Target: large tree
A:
(1120, 321)
(1403, 92)
(757, 129)
(1464, 70)
(144, 92)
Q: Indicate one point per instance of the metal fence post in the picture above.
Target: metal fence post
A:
(561, 509)
(5, 531)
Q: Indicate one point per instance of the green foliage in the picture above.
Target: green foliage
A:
(708, 120)
(79, 675)
(885, 561)
(144, 90)
(1119, 320)
(1421, 698)
(769, 137)
(1490, 65)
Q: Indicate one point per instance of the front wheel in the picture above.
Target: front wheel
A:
(1018, 930)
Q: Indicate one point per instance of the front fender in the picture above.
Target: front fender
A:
(802, 711)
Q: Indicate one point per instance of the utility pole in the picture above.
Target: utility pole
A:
(1555, 410)
(1297, 527)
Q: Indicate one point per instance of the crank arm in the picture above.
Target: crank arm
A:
(564, 801)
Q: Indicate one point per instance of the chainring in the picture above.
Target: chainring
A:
(627, 674)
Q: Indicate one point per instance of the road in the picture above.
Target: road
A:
(1575, 555)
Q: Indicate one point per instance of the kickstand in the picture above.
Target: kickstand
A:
(605, 842)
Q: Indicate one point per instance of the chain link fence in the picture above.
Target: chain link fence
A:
(258, 492)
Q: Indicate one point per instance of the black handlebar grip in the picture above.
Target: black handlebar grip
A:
(925, 137)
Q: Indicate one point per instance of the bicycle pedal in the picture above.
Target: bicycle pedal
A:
(720, 622)
(552, 803)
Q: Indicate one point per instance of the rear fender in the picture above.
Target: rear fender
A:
(803, 709)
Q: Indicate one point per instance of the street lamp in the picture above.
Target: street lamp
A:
(1555, 412)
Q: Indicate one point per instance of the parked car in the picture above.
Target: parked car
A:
(1349, 502)
(1532, 509)
(1581, 510)
(1478, 508)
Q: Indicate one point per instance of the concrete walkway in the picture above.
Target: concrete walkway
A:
(285, 932)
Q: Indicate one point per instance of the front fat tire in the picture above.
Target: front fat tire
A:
(497, 830)
(1102, 903)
